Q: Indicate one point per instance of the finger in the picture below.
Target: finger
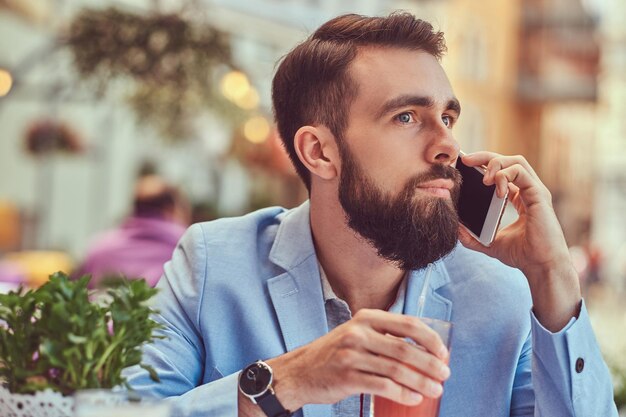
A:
(479, 158)
(501, 180)
(385, 387)
(516, 199)
(501, 162)
(404, 326)
(400, 352)
(400, 373)
(495, 161)
(513, 189)
(529, 188)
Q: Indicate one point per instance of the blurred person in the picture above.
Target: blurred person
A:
(296, 309)
(140, 246)
(11, 276)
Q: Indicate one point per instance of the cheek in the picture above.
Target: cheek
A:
(390, 160)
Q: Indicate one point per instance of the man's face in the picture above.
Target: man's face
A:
(397, 185)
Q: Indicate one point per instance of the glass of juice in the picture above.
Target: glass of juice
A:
(429, 407)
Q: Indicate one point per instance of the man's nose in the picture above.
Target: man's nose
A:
(444, 149)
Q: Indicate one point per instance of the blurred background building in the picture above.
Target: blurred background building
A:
(95, 93)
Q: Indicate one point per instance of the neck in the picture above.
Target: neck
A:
(354, 270)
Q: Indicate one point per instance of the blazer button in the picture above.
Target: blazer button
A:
(580, 365)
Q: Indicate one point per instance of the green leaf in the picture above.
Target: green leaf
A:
(151, 371)
(79, 340)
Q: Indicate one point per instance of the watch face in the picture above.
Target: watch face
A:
(255, 379)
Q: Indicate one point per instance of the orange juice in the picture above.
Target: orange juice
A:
(429, 407)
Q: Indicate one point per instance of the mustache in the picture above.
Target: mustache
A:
(436, 172)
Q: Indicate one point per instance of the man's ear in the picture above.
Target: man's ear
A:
(317, 149)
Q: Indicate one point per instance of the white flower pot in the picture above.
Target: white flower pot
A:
(41, 404)
(106, 403)
(85, 403)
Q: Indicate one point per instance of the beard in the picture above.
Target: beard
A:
(411, 229)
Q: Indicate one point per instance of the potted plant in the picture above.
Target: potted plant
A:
(55, 341)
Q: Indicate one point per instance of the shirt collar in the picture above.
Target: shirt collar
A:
(327, 290)
(396, 307)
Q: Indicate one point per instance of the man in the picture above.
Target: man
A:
(145, 241)
(326, 293)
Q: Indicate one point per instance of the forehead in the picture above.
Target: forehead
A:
(382, 73)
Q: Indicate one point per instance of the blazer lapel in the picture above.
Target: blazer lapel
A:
(299, 305)
(297, 293)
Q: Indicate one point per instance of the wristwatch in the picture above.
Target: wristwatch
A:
(255, 382)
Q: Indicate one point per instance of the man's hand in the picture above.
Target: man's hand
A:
(534, 243)
(367, 354)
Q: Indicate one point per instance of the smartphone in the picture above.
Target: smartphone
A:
(480, 209)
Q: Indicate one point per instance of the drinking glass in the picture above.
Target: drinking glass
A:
(429, 407)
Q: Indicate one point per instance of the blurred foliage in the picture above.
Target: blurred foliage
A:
(55, 338)
(172, 61)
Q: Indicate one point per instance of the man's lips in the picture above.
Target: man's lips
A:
(439, 188)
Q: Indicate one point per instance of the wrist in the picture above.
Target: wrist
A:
(556, 295)
(559, 267)
(286, 388)
(247, 408)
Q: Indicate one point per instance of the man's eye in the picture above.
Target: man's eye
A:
(447, 120)
(405, 117)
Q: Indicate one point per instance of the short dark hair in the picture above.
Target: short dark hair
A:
(312, 84)
(154, 197)
(156, 205)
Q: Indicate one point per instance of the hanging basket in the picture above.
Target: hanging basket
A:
(46, 403)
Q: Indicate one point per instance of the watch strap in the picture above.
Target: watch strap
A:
(271, 406)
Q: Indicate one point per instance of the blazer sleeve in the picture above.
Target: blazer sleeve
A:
(562, 374)
(179, 358)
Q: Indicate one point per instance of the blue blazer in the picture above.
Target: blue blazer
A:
(248, 288)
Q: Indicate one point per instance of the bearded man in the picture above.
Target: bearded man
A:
(326, 294)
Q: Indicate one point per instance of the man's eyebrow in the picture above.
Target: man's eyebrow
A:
(412, 100)
(454, 105)
(403, 101)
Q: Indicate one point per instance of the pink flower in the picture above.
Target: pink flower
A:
(110, 327)
(54, 373)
